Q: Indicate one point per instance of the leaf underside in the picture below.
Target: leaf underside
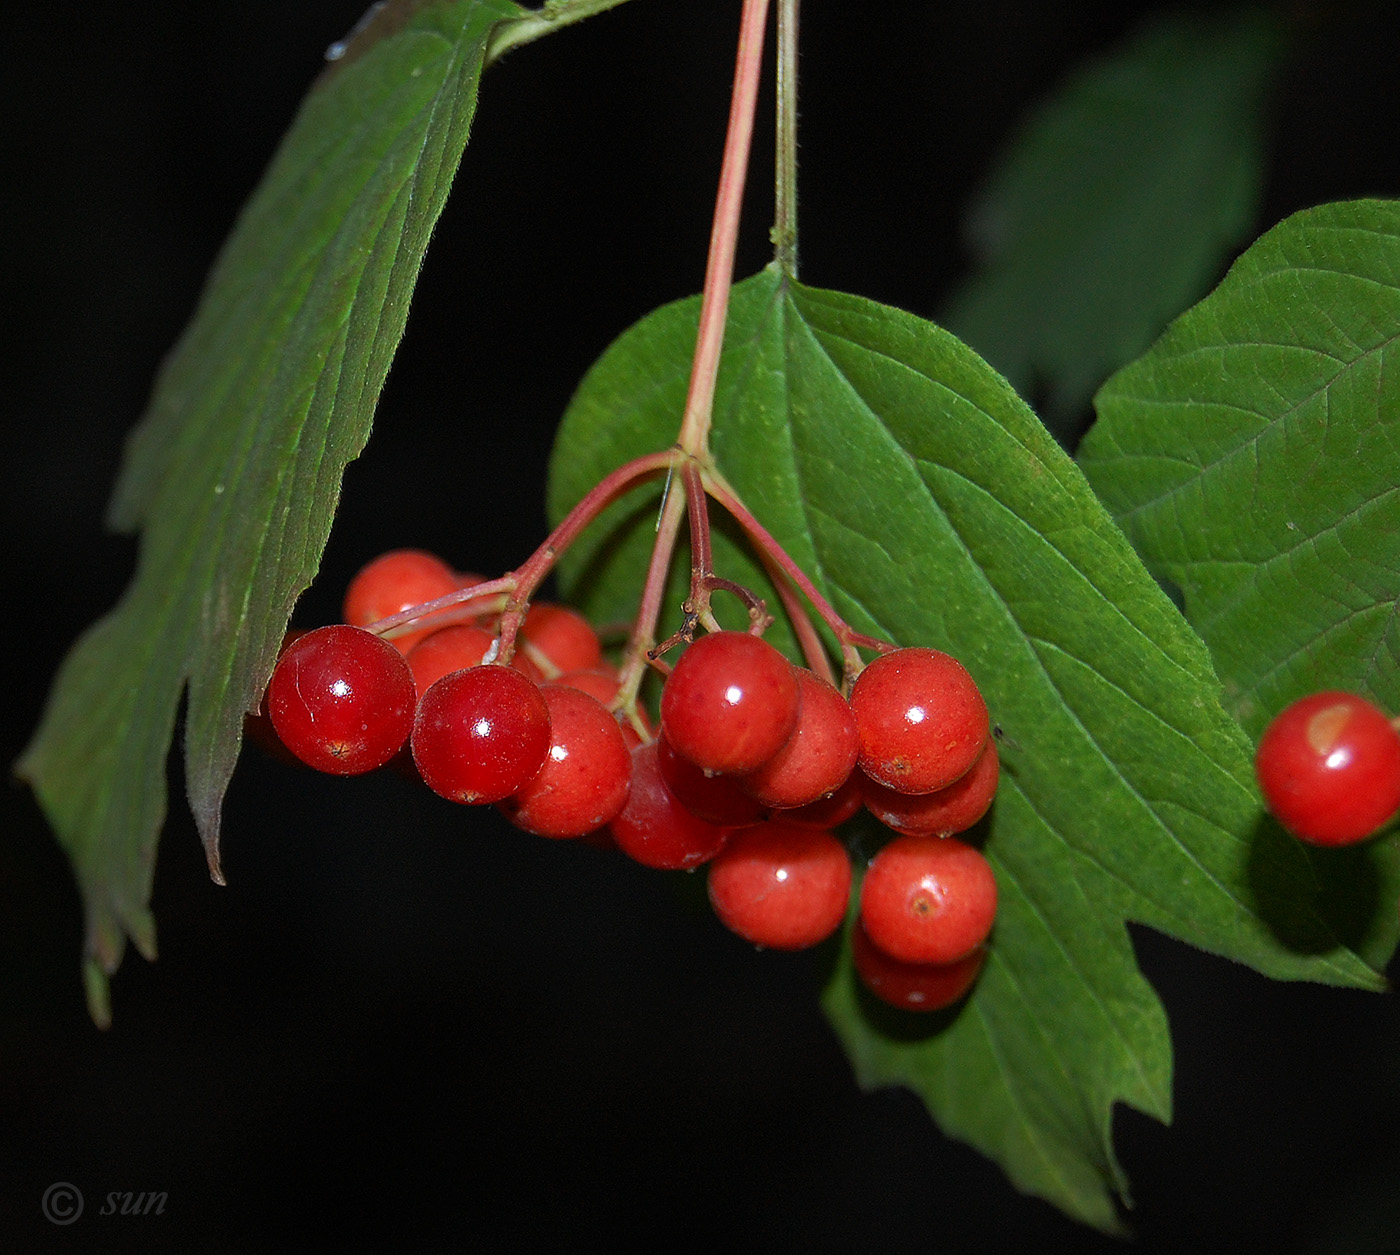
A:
(234, 472)
(1116, 205)
(932, 507)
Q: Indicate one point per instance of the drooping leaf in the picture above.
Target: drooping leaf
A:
(1253, 457)
(1116, 205)
(932, 507)
(234, 472)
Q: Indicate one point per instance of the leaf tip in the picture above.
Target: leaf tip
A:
(98, 991)
(207, 821)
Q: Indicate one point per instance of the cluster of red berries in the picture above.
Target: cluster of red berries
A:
(1329, 768)
(754, 764)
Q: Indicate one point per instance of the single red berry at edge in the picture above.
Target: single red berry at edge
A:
(655, 829)
(818, 757)
(480, 734)
(921, 719)
(395, 581)
(928, 899)
(913, 986)
(584, 781)
(1329, 768)
(952, 809)
(341, 699)
(781, 885)
(730, 703)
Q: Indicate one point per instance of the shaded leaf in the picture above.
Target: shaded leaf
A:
(234, 472)
(932, 507)
(1253, 456)
(1116, 204)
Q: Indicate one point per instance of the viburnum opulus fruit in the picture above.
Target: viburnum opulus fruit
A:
(395, 581)
(341, 699)
(1329, 768)
(913, 986)
(655, 829)
(446, 650)
(817, 758)
(730, 703)
(928, 899)
(921, 719)
(480, 734)
(780, 885)
(953, 808)
(584, 780)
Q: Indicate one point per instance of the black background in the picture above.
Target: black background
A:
(411, 1024)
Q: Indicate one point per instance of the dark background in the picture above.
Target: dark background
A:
(410, 1023)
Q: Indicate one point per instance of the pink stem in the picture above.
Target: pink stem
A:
(719, 269)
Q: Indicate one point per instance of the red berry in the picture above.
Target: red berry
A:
(341, 699)
(1329, 768)
(565, 638)
(952, 809)
(913, 986)
(817, 758)
(781, 885)
(584, 781)
(730, 703)
(447, 650)
(395, 581)
(928, 899)
(480, 734)
(717, 799)
(921, 719)
(655, 829)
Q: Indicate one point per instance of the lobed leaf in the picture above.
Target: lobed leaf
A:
(931, 506)
(1116, 204)
(235, 470)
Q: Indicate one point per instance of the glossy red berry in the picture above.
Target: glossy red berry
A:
(913, 986)
(920, 718)
(655, 829)
(395, 581)
(730, 703)
(584, 781)
(341, 699)
(781, 885)
(1329, 768)
(928, 899)
(480, 734)
(954, 808)
(817, 758)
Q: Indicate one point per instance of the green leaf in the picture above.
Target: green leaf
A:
(234, 472)
(1116, 204)
(1253, 457)
(932, 507)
